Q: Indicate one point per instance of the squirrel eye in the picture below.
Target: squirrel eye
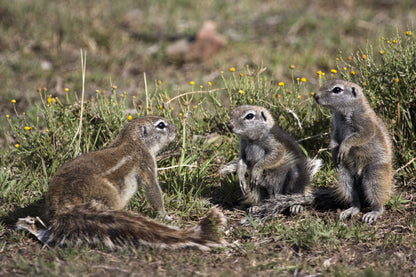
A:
(161, 125)
(249, 116)
(336, 90)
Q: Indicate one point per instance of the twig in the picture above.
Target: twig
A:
(295, 116)
(79, 130)
(145, 90)
(311, 137)
(319, 151)
(403, 167)
(194, 92)
(175, 166)
(287, 110)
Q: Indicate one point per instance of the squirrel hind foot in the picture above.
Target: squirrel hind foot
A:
(35, 226)
(349, 213)
(371, 217)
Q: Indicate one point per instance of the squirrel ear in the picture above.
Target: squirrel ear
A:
(144, 131)
(263, 115)
(354, 92)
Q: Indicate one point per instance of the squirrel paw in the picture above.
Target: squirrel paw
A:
(371, 217)
(296, 209)
(349, 213)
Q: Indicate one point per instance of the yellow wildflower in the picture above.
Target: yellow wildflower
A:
(66, 89)
(292, 66)
(334, 71)
(382, 52)
(13, 101)
(27, 128)
(129, 117)
(352, 72)
(408, 33)
(16, 145)
(7, 116)
(303, 80)
(364, 57)
(394, 41)
(114, 87)
(192, 83)
(240, 91)
(209, 84)
(159, 82)
(232, 69)
(281, 84)
(396, 80)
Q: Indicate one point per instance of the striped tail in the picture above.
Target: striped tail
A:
(114, 229)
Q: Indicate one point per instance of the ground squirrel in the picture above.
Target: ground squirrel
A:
(85, 198)
(277, 164)
(361, 149)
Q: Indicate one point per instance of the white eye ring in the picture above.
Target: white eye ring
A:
(249, 115)
(160, 125)
(337, 90)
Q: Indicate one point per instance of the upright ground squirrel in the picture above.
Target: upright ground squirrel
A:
(361, 149)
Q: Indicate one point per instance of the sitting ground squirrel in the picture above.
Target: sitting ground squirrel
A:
(277, 164)
(85, 198)
(361, 149)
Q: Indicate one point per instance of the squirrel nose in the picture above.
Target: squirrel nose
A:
(230, 126)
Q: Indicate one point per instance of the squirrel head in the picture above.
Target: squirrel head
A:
(339, 95)
(250, 122)
(155, 132)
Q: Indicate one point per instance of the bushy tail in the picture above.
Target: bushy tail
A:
(322, 199)
(113, 229)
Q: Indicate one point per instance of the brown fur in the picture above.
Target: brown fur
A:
(361, 149)
(274, 161)
(85, 198)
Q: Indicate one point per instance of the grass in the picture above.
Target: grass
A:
(40, 129)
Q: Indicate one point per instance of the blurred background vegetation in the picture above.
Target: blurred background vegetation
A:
(40, 40)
